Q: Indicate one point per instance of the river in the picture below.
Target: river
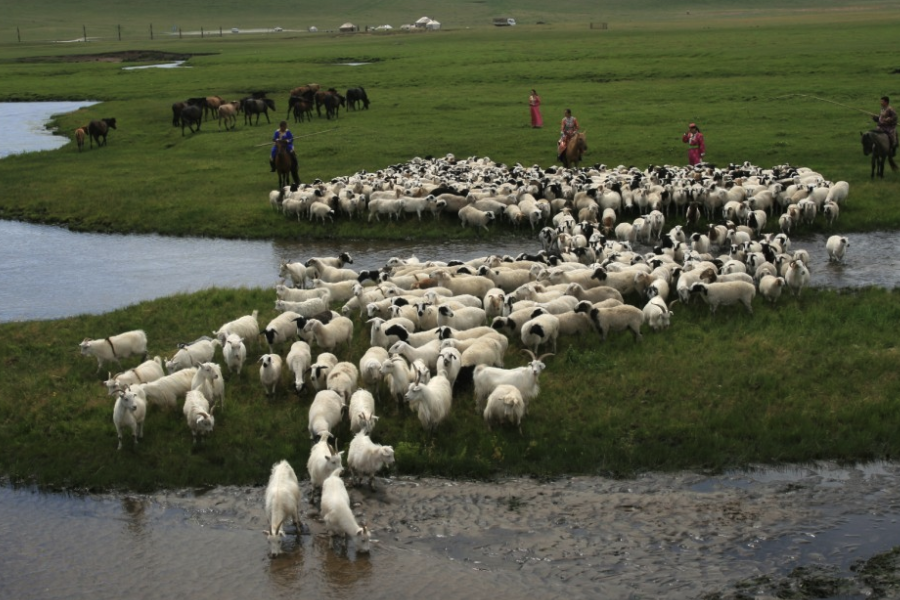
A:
(676, 535)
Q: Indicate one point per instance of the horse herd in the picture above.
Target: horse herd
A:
(192, 112)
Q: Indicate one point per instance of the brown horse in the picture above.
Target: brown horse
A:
(576, 147)
(283, 163)
(98, 129)
(878, 145)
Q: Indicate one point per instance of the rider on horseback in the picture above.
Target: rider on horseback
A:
(567, 130)
(283, 133)
(887, 123)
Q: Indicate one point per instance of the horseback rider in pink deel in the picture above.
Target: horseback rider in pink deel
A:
(696, 144)
(567, 130)
(887, 123)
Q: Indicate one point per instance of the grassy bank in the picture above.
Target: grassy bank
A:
(749, 77)
(809, 379)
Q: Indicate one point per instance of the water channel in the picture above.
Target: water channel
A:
(659, 535)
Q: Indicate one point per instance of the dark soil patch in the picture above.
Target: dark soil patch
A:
(128, 56)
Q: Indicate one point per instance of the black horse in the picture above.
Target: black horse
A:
(98, 129)
(191, 115)
(878, 145)
(355, 96)
(257, 106)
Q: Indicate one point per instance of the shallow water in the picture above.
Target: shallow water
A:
(171, 65)
(24, 125)
(656, 536)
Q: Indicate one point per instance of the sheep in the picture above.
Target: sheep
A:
(836, 246)
(469, 215)
(337, 514)
(282, 292)
(199, 416)
(270, 372)
(147, 371)
(617, 318)
(329, 274)
(129, 411)
(296, 271)
(321, 211)
(486, 379)
(512, 324)
(208, 379)
(428, 353)
(796, 277)
(505, 403)
(282, 502)
(594, 294)
(235, 353)
(370, 367)
(466, 317)
(340, 291)
(325, 412)
(415, 339)
(299, 360)
(166, 390)
(474, 285)
(112, 348)
(318, 372)
(657, 315)
(323, 459)
(399, 376)
(305, 308)
(365, 458)
(573, 323)
(327, 337)
(362, 412)
(392, 207)
(431, 401)
(688, 278)
(723, 294)
(337, 262)
(838, 192)
(343, 378)
(449, 364)
(540, 330)
(770, 287)
(280, 329)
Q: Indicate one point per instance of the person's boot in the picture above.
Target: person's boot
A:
(272, 164)
(296, 176)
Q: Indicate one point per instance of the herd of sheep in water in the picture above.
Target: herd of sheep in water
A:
(437, 325)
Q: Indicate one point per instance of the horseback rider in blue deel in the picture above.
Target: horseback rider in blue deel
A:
(283, 133)
(887, 123)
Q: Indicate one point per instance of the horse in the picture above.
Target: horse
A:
(301, 106)
(283, 163)
(878, 145)
(575, 148)
(355, 96)
(79, 137)
(211, 106)
(333, 103)
(257, 106)
(190, 116)
(228, 112)
(98, 129)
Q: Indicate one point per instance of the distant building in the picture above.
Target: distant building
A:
(423, 22)
(313, 29)
(433, 26)
(348, 27)
(504, 21)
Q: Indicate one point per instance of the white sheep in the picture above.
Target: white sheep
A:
(282, 292)
(234, 352)
(726, 293)
(295, 270)
(657, 315)
(321, 211)
(323, 459)
(208, 379)
(365, 458)
(247, 327)
(431, 401)
(427, 353)
(370, 368)
(305, 308)
(328, 336)
(299, 361)
(449, 363)
(129, 411)
(362, 412)
(487, 378)
(343, 378)
(617, 318)
(770, 287)
(282, 502)
(593, 294)
(540, 330)
(469, 215)
(796, 276)
(474, 285)
(505, 404)
(399, 375)
(270, 372)
(165, 391)
(337, 514)
(193, 354)
(199, 416)
(147, 371)
(319, 370)
(325, 272)
(836, 246)
(114, 347)
(325, 413)
(280, 329)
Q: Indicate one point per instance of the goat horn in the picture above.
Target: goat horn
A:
(541, 357)
(530, 353)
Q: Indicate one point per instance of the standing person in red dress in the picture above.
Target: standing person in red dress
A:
(534, 101)
(696, 144)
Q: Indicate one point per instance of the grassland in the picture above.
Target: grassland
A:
(809, 379)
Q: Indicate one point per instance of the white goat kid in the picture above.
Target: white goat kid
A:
(129, 411)
(282, 503)
(505, 404)
(365, 458)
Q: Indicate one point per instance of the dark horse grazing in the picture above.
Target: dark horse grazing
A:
(257, 106)
(355, 96)
(283, 164)
(98, 129)
(190, 116)
(576, 147)
(878, 145)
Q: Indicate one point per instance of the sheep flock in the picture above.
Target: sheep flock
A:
(441, 331)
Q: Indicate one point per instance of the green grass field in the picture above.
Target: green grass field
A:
(806, 380)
